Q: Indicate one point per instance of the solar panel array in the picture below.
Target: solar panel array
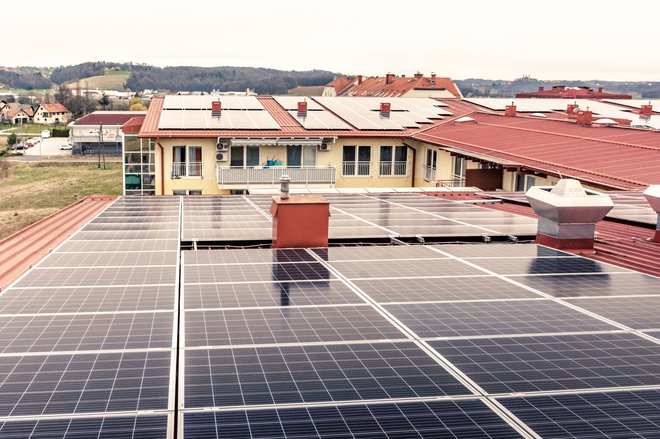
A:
(496, 340)
(397, 341)
(358, 216)
(364, 112)
(89, 334)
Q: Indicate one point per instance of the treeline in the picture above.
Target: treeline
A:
(60, 75)
(261, 80)
(28, 81)
(477, 87)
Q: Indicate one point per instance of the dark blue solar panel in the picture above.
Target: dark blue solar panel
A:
(280, 375)
(81, 383)
(635, 312)
(499, 250)
(544, 265)
(462, 419)
(591, 415)
(256, 273)
(146, 427)
(541, 363)
(246, 256)
(405, 268)
(287, 325)
(493, 318)
(619, 284)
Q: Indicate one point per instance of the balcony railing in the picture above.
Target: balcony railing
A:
(429, 173)
(458, 182)
(356, 168)
(186, 169)
(394, 168)
(271, 175)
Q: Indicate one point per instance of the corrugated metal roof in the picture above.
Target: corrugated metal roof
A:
(108, 118)
(608, 156)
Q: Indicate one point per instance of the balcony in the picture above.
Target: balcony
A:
(270, 176)
(186, 169)
(394, 168)
(429, 174)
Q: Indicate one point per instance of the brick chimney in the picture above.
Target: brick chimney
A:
(418, 75)
(389, 78)
(385, 108)
(300, 221)
(600, 89)
(585, 117)
(510, 110)
(360, 78)
(646, 110)
(216, 109)
(302, 109)
(571, 110)
(541, 88)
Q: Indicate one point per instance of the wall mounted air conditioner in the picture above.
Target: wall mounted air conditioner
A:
(324, 147)
(221, 157)
(222, 146)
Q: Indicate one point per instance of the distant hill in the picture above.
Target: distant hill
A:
(112, 80)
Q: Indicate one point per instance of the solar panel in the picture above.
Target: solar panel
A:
(204, 102)
(256, 273)
(637, 313)
(282, 325)
(320, 120)
(146, 426)
(291, 103)
(595, 284)
(546, 363)
(493, 318)
(229, 120)
(560, 265)
(593, 415)
(405, 268)
(414, 420)
(297, 374)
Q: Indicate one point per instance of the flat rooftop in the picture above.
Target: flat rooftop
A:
(132, 328)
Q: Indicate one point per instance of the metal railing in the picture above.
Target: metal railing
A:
(271, 175)
(429, 173)
(356, 168)
(457, 182)
(394, 168)
(186, 169)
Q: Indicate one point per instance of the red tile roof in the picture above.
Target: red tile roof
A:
(133, 125)
(108, 118)
(54, 108)
(563, 92)
(399, 86)
(608, 157)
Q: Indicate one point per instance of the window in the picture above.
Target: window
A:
(459, 167)
(524, 182)
(244, 156)
(393, 160)
(186, 161)
(430, 164)
(139, 166)
(300, 156)
(187, 192)
(356, 160)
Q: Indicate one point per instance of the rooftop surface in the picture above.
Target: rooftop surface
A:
(122, 331)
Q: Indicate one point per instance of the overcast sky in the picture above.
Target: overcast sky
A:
(484, 39)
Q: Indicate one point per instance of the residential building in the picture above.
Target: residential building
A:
(52, 114)
(564, 92)
(87, 132)
(16, 114)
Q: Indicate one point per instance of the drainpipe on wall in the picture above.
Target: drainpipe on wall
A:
(162, 166)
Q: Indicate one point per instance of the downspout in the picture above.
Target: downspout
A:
(162, 166)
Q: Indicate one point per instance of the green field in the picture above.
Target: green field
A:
(109, 81)
(35, 190)
(26, 129)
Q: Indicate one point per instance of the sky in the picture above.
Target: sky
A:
(503, 39)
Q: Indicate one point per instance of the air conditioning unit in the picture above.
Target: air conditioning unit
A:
(324, 147)
(222, 146)
(221, 157)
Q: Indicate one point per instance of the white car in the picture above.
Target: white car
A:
(66, 147)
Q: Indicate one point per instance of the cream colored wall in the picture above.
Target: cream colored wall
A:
(509, 181)
(62, 117)
(208, 183)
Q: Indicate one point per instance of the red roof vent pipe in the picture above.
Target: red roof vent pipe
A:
(510, 110)
(418, 75)
(360, 78)
(585, 117)
(302, 109)
(541, 88)
(389, 78)
(216, 108)
(646, 110)
(385, 108)
(571, 110)
(600, 89)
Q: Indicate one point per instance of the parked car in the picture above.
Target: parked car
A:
(66, 147)
(17, 147)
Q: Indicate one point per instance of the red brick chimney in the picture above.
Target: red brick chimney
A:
(360, 78)
(389, 78)
(646, 110)
(600, 89)
(216, 108)
(510, 110)
(385, 108)
(418, 75)
(302, 108)
(541, 88)
(584, 117)
(571, 110)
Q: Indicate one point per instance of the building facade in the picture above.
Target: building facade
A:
(52, 114)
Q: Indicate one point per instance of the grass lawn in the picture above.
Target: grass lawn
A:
(109, 81)
(35, 190)
(28, 128)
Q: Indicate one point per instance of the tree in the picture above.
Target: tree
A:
(137, 105)
(12, 140)
(104, 101)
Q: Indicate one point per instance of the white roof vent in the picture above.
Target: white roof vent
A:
(568, 213)
(538, 115)
(464, 119)
(604, 121)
